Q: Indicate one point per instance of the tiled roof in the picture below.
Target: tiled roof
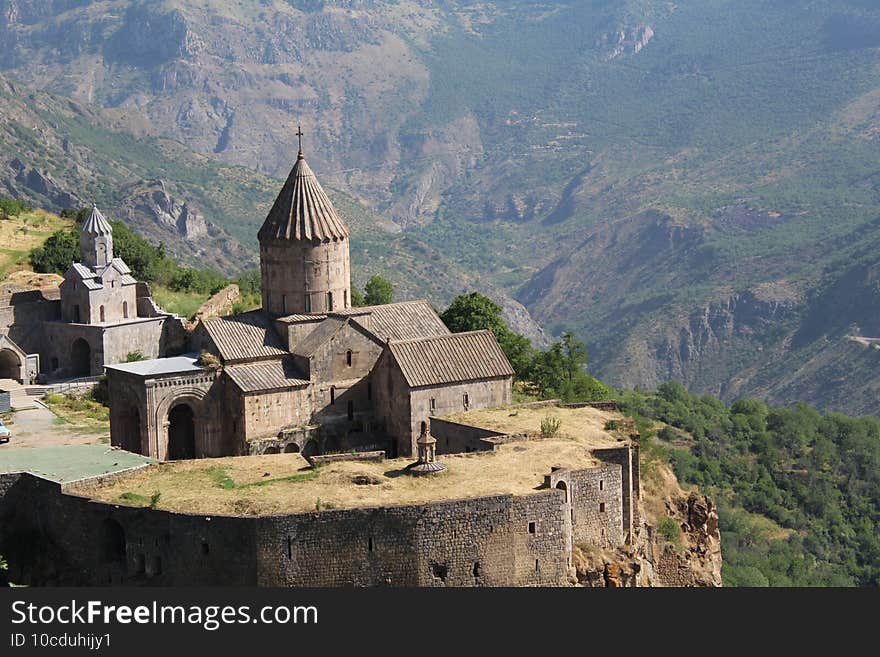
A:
(405, 320)
(313, 341)
(302, 210)
(245, 336)
(450, 358)
(257, 377)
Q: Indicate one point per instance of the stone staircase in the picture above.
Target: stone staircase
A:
(22, 397)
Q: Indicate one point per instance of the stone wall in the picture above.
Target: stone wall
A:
(220, 303)
(443, 400)
(455, 438)
(596, 503)
(628, 462)
(298, 276)
(267, 413)
(22, 315)
(55, 538)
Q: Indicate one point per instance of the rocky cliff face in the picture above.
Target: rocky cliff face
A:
(652, 561)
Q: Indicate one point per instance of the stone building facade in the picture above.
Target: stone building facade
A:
(306, 372)
(97, 316)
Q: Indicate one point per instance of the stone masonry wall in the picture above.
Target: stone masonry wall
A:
(53, 538)
(455, 438)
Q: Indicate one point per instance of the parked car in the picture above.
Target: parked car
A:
(5, 433)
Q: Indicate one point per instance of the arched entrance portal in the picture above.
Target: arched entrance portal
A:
(80, 358)
(291, 448)
(181, 433)
(10, 365)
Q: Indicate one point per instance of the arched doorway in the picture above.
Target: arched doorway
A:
(181, 433)
(112, 541)
(270, 450)
(10, 365)
(569, 520)
(80, 358)
(291, 448)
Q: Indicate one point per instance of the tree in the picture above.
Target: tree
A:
(57, 253)
(475, 312)
(377, 291)
(357, 299)
(575, 355)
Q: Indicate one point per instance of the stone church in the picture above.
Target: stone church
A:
(307, 372)
(98, 315)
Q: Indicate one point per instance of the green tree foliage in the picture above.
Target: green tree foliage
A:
(816, 477)
(474, 312)
(78, 216)
(10, 207)
(57, 253)
(377, 291)
(147, 262)
(557, 372)
(357, 299)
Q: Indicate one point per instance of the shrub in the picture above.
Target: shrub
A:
(669, 530)
(154, 499)
(549, 427)
(667, 433)
(612, 425)
(134, 356)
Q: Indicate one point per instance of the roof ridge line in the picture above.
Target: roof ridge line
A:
(442, 337)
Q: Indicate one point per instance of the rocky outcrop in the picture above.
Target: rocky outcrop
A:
(42, 184)
(652, 560)
(165, 210)
(629, 39)
(148, 37)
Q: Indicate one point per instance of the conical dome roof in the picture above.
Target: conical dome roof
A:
(302, 210)
(96, 224)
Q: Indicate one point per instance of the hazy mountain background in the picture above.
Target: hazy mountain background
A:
(692, 186)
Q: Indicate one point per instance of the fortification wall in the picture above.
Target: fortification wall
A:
(55, 538)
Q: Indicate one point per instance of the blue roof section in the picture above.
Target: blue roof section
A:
(159, 366)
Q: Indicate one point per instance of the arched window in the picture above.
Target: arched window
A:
(345, 298)
(125, 309)
(284, 303)
(348, 358)
(332, 394)
(102, 314)
(308, 303)
(330, 301)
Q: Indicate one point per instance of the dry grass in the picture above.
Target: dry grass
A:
(282, 483)
(18, 235)
(583, 425)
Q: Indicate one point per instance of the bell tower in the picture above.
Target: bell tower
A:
(96, 240)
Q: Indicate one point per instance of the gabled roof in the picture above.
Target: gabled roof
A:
(303, 210)
(450, 358)
(313, 341)
(96, 224)
(246, 336)
(405, 320)
(264, 376)
(82, 271)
